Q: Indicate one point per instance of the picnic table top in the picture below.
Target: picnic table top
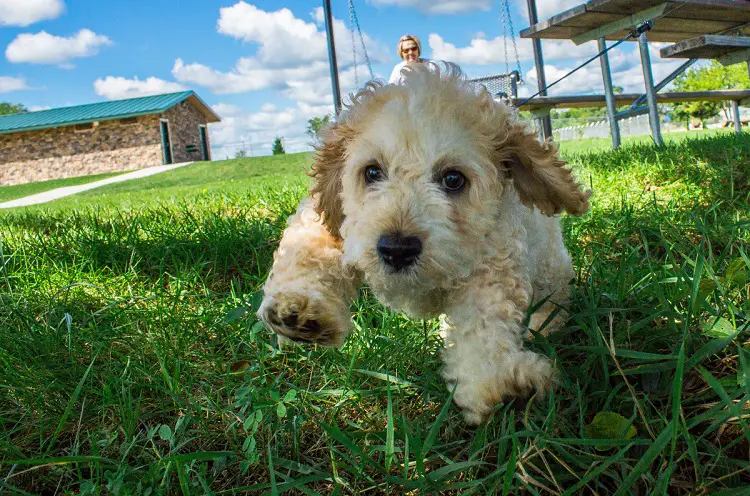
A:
(581, 101)
(684, 19)
(708, 46)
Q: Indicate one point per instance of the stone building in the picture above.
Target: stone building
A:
(102, 137)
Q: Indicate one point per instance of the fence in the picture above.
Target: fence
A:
(634, 126)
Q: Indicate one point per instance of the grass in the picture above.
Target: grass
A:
(132, 362)
(585, 145)
(8, 193)
(207, 180)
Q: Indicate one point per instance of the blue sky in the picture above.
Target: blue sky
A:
(262, 65)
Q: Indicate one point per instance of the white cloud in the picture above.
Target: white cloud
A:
(586, 80)
(25, 12)
(44, 48)
(292, 56)
(115, 88)
(626, 72)
(225, 110)
(8, 84)
(376, 51)
(284, 40)
(317, 90)
(438, 6)
(547, 8)
(255, 131)
(482, 51)
(258, 129)
(248, 74)
(37, 108)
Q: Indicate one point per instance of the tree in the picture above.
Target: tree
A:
(278, 146)
(12, 108)
(315, 124)
(242, 151)
(711, 77)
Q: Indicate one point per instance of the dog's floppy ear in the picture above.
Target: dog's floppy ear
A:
(327, 171)
(539, 176)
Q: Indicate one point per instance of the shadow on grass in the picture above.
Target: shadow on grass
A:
(227, 243)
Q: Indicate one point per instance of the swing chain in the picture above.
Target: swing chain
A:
(354, 22)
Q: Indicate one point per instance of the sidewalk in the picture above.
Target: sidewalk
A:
(58, 193)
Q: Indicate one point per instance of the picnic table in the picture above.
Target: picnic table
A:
(699, 28)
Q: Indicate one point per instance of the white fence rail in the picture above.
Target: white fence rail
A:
(634, 126)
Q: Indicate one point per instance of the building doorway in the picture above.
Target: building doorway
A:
(204, 143)
(166, 142)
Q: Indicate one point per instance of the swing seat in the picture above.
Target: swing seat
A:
(500, 85)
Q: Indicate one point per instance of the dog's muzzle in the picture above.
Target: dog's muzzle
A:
(399, 251)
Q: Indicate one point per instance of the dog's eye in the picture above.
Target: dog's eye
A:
(453, 181)
(374, 173)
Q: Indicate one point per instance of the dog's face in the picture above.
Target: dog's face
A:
(412, 178)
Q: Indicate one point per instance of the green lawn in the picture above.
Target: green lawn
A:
(605, 144)
(132, 362)
(193, 183)
(8, 193)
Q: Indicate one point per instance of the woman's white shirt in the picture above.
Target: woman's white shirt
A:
(396, 76)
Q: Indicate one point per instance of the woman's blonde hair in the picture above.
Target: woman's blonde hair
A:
(409, 37)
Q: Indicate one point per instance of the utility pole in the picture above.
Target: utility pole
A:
(332, 56)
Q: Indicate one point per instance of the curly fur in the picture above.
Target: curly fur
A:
(489, 252)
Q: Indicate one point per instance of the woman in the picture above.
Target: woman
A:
(409, 49)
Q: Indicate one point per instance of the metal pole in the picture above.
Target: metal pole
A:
(609, 95)
(736, 116)
(545, 123)
(648, 79)
(665, 81)
(332, 56)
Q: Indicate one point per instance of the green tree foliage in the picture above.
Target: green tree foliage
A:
(278, 146)
(711, 77)
(315, 124)
(11, 108)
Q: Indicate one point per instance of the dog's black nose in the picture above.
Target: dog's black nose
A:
(399, 251)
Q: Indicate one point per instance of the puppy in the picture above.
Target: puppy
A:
(444, 203)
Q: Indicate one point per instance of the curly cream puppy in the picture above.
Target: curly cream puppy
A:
(443, 203)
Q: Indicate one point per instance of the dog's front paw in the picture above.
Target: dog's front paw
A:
(519, 377)
(307, 317)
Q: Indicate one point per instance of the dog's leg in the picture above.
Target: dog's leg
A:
(308, 292)
(484, 357)
(551, 272)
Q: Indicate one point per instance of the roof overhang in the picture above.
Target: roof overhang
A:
(210, 115)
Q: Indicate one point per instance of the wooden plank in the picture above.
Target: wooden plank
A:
(623, 23)
(553, 21)
(685, 18)
(723, 10)
(591, 18)
(739, 12)
(621, 7)
(735, 57)
(693, 25)
(584, 101)
(705, 47)
(669, 36)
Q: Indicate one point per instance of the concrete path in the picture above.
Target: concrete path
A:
(58, 193)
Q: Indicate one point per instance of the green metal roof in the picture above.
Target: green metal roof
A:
(115, 109)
